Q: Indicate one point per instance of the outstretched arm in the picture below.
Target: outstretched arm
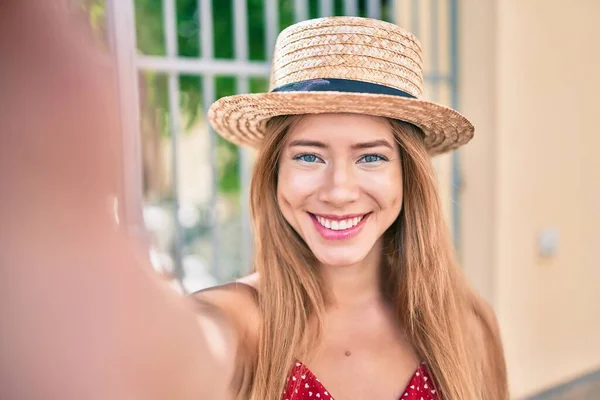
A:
(83, 315)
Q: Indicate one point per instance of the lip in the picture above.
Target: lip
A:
(339, 217)
(330, 234)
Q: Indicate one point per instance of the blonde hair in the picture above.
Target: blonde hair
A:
(425, 285)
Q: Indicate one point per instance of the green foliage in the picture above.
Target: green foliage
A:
(95, 12)
(151, 41)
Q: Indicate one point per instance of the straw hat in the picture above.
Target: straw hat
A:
(343, 64)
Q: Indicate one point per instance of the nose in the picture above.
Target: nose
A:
(340, 186)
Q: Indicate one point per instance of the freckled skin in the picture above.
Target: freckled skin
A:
(335, 178)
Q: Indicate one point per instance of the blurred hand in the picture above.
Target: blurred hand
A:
(83, 315)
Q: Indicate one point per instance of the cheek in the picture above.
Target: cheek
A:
(386, 189)
(294, 190)
(295, 186)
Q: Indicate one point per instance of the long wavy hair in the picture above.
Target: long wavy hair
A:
(449, 326)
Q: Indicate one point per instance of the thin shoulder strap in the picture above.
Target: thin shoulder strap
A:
(228, 286)
(251, 288)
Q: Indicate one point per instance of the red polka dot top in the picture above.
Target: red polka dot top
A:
(304, 385)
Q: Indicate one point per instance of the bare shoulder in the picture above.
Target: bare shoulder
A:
(235, 305)
(235, 301)
(228, 316)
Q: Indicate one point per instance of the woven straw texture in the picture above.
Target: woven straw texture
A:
(351, 48)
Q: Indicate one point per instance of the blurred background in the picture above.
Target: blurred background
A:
(522, 200)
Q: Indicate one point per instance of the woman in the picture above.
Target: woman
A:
(355, 279)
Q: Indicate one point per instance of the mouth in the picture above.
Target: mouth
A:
(339, 227)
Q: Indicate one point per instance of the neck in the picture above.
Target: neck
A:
(357, 284)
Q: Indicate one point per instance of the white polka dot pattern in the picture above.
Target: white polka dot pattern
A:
(304, 385)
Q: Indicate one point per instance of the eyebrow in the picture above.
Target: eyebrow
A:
(374, 143)
(363, 145)
(307, 143)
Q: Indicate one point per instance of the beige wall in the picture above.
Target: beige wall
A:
(530, 81)
(440, 92)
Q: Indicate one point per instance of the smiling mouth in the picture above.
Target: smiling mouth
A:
(339, 224)
(335, 228)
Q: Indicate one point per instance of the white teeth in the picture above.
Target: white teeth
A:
(337, 225)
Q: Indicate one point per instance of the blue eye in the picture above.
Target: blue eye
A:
(307, 158)
(372, 158)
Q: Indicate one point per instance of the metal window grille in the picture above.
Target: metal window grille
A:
(433, 21)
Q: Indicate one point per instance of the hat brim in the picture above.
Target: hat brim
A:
(241, 119)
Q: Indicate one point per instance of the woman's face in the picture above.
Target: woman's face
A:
(340, 184)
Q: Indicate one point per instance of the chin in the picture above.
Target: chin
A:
(336, 259)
